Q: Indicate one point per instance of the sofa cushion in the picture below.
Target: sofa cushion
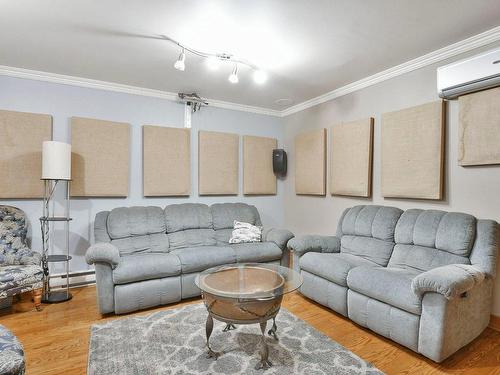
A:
(125, 222)
(369, 248)
(187, 216)
(389, 285)
(200, 258)
(17, 279)
(371, 221)
(332, 266)
(421, 259)
(192, 238)
(256, 252)
(224, 214)
(139, 267)
(149, 243)
(452, 232)
(223, 235)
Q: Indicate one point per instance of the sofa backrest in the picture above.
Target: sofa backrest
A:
(152, 229)
(189, 225)
(133, 229)
(224, 215)
(427, 239)
(368, 232)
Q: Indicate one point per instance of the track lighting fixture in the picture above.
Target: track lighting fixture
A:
(214, 60)
(179, 64)
(233, 78)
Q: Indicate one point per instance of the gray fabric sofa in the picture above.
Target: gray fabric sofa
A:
(422, 278)
(149, 256)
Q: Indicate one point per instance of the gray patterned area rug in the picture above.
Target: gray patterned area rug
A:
(173, 342)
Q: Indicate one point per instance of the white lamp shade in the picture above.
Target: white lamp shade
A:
(56, 161)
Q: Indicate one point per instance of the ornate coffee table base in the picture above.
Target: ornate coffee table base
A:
(264, 363)
(246, 293)
(229, 327)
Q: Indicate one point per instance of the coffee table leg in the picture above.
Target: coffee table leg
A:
(264, 350)
(209, 327)
(274, 328)
(229, 327)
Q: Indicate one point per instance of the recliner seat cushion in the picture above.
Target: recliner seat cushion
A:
(192, 238)
(421, 259)
(137, 229)
(125, 222)
(368, 232)
(332, 266)
(372, 249)
(224, 214)
(223, 235)
(389, 285)
(150, 243)
(426, 239)
(194, 259)
(187, 216)
(256, 252)
(139, 267)
(452, 232)
(371, 221)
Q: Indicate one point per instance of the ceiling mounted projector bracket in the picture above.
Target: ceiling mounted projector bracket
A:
(192, 103)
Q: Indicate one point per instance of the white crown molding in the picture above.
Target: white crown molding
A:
(466, 45)
(117, 87)
(476, 41)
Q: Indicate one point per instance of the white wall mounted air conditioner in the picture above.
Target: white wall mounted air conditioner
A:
(469, 75)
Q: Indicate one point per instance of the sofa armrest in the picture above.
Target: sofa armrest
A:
(451, 281)
(320, 244)
(103, 252)
(279, 236)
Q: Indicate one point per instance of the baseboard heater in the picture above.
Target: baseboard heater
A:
(76, 279)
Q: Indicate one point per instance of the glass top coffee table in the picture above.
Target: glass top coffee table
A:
(246, 293)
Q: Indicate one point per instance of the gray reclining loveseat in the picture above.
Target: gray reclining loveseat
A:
(149, 256)
(422, 278)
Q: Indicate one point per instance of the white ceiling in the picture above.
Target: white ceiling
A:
(308, 47)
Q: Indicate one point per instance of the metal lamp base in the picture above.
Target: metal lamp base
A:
(56, 297)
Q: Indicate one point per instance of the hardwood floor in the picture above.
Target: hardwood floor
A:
(56, 339)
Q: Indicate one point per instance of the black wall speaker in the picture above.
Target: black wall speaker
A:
(279, 162)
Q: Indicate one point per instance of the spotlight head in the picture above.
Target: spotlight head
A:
(260, 76)
(233, 78)
(179, 64)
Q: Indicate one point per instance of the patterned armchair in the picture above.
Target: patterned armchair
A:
(11, 354)
(20, 269)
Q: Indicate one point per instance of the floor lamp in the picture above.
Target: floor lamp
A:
(56, 172)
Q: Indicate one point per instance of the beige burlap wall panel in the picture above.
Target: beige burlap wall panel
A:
(218, 158)
(351, 158)
(166, 161)
(100, 158)
(310, 163)
(479, 129)
(21, 138)
(258, 176)
(413, 152)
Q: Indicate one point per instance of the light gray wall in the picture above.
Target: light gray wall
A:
(474, 190)
(63, 102)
